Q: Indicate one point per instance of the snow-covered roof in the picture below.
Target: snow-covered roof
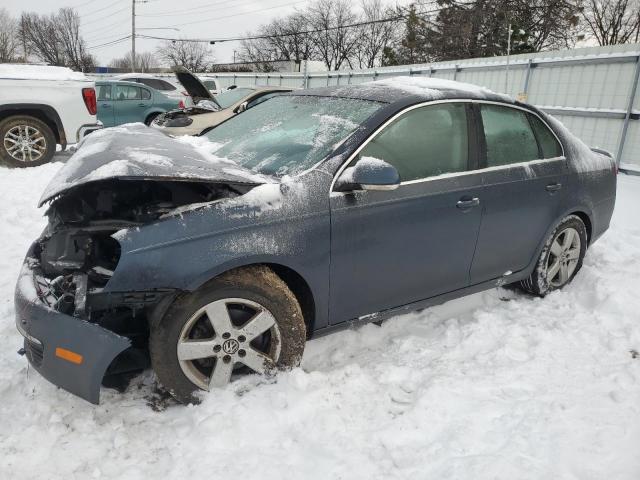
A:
(18, 71)
(433, 87)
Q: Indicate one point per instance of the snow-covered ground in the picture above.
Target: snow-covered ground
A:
(496, 385)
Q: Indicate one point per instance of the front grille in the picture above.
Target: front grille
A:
(35, 352)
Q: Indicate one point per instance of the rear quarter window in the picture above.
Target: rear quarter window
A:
(549, 145)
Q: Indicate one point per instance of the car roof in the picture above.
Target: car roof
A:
(123, 82)
(401, 89)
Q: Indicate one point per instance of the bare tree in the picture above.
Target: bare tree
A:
(334, 41)
(40, 34)
(613, 21)
(8, 36)
(376, 36)
(68, 36)
(194, 56)
(145, 61)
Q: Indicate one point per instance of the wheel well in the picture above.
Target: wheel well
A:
(36, 113)
(587, 223)
(151, 115)
(298, 286)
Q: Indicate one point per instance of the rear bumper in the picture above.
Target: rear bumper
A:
(85, 130)
(46, 331)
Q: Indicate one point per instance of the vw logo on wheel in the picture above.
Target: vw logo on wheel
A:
(230, 346)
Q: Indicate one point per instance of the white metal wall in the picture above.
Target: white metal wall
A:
(590, 90)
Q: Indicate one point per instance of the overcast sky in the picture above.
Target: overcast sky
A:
(104, 21)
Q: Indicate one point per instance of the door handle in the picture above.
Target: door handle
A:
(465, 203)
(553, 187)
(141, 105)
(105, 105)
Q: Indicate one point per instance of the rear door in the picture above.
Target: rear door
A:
(105, 104)
(525, 177)
(391, 248)
(131, 103)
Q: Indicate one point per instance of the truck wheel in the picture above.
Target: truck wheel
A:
(560, 259)
(244, 321)
(26, 142)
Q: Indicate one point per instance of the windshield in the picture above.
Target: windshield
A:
(288, 134)
(229, 97)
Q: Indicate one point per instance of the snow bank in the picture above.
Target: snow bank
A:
(17, 71)
(499, 385)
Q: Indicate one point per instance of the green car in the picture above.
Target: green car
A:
(128, 102)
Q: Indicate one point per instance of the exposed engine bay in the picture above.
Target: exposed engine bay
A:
(77, 255)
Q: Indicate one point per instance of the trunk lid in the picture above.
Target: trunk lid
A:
(194, 87)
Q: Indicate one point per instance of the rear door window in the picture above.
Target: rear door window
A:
(508, 135)
(424, 142)
(145, 94)
(104, 92)
(126, 92)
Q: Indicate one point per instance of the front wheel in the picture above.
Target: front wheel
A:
(241, 322)
(560, 259)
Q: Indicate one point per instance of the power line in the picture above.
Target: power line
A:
(305, 32)
(238, 14)
(107, 16)
(96, 11)
(113, 42)
(190, 11)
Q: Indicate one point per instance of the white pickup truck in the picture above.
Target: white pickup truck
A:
(41, 107)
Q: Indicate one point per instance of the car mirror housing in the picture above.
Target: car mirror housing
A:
(368, 174)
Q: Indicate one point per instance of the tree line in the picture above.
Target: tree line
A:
(343, 34)
(367, 35)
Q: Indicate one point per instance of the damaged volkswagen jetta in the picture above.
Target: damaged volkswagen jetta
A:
(213, 257)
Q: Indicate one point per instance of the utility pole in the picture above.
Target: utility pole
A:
(506, 73)
(133, 35)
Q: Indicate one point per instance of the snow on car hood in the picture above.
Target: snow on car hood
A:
(136, 152)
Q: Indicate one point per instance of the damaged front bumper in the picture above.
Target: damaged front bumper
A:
(70, 352)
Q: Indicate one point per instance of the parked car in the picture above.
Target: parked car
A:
(127, 102)
(203, 115)
(166, 85)
(42, 107)
(309, 213)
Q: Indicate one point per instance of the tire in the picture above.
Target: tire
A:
(190, 352)
(150, 118)
(561, 258)
(38, 140)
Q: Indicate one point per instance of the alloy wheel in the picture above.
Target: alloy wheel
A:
(225, 335)
(563, 257)
(25, 143)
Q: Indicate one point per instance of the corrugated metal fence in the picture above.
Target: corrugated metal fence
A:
(593, 91)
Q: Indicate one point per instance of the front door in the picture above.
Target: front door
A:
(391, 248)
(525, 181)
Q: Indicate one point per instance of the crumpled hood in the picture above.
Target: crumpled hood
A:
(137, 152)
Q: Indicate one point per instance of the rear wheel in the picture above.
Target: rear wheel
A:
(245, 321)
(560, 259)
(26, 142)
(150, 118)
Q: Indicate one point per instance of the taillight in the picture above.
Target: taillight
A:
(89, 97)
(181, 105)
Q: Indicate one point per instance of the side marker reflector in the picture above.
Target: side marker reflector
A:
(68, 355)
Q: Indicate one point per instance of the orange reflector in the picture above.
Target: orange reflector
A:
(68, 355)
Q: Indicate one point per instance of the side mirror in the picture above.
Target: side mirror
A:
(242, 107)
(368, 174)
